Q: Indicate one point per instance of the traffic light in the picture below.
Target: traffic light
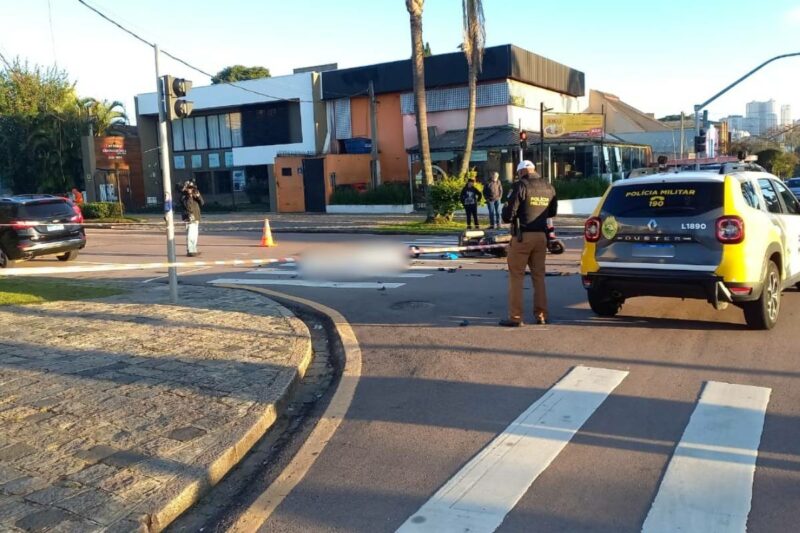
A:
(700, 142)
(174, 90)
(523, 140)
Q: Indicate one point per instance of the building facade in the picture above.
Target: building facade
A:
(761, 117)
(786, 115)
(229, 144)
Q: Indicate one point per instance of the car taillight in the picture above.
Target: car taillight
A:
(730, 230)
(591, 229)
(23, 224)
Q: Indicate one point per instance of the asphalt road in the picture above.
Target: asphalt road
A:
(440, 382)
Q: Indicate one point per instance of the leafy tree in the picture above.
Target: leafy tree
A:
(784, 163)
(474, 28)
(104, 116)
(40, 129)
(240, 73)
(427, 51)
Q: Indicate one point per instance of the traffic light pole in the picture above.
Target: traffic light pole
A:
(700, 107)
(163, 143)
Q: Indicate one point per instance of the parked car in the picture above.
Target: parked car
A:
(728, 237)
(794, 186)
(36, 225)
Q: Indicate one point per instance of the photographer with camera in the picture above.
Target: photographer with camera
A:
(192, 201)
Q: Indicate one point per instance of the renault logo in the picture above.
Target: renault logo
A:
(652, 225)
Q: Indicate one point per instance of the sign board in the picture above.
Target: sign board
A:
(213, 160)
(113, 149)
(152, 200)
(585, 125)
(238, 180)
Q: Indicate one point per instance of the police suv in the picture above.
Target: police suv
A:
(730, 235)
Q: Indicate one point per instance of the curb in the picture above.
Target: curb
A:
(185, 491)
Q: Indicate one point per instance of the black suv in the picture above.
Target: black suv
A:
(37, 225)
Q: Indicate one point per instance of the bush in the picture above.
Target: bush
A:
(580, 188)
(445, 195)
(385, 194)
(94, 210)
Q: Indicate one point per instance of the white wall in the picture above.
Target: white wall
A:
(533, 96)
(292, 87)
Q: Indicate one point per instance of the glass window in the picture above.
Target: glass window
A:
(789, 199)
(770, 196)
(177, 135)
(223, 182)
(225, 130)
(664, 200)
(188, 134)
(236, 129)
(286, 171)
(203, 181)
(200, 133)
(213, 132)
(750, 196)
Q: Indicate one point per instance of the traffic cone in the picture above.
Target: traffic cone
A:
(266, 236)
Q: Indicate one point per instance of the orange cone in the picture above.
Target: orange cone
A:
(266, 237)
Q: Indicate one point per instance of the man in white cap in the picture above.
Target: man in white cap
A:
(531, 202)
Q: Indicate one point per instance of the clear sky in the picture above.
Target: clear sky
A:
(661, 56)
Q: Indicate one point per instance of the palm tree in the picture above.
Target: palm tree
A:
(104, 116)
(473, 45)
(414, 8)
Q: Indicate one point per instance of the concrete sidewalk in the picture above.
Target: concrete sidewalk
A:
(116, 414)
(325, 223)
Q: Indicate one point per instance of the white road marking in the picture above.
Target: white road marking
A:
(179, 274)
(708, 485)
(309, 283)
(287, 272)
(480, 495)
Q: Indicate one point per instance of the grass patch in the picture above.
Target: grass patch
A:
(21, 291)
(115, 220)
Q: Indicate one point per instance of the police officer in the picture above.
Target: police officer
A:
(531, 202)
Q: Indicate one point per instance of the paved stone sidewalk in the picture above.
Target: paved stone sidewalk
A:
(115, 413)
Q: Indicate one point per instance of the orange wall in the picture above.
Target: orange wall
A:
(359, 117)
(290, 190)
(349, 169)
(391, 147)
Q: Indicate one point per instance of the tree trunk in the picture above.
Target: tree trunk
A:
(418, 61)
(473, 97)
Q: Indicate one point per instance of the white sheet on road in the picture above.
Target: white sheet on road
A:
(307, 283)
(481, 494)
(708, 485)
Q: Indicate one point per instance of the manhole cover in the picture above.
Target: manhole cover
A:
(411, 304)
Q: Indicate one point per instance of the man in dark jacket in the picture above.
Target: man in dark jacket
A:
(192, 201)
(531, 202)
(493, 192)
(470, 198)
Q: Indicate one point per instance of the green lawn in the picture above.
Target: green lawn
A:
(19, 291)
(422, 228)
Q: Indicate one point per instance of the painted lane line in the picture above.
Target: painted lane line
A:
(309, 283)
(481, 494)
(286, 272)
(708, 485)
(179, 274)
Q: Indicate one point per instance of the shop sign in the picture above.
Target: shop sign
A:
(586, 125)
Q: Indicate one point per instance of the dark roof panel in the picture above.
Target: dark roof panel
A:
(499, 62)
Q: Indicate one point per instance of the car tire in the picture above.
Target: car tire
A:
(72, 255)
(603, 304)
(763, 313)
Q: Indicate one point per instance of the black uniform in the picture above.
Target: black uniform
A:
(470, 198)
(531, 202)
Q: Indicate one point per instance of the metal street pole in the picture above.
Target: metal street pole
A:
(163, 144)
(373, 126)
(699, 107)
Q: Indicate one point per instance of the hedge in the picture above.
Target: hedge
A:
(385, 194)
(580, 188)
(101, 210)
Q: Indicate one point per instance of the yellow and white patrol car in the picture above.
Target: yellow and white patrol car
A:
(725, 236)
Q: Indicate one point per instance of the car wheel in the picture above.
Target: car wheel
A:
(72, 255)
(763, 313)
(603, 304)
(5, 262)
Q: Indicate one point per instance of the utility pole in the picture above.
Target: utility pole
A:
(521, 150)
(373, 126)
(541, 136)
(163, 143)
(683, 134)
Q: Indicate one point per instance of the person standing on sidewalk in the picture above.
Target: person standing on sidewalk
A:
(470, 198)
(531, 202)
(493, 192)
(192, 201)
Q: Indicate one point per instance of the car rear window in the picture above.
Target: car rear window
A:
(664, 199)
(793, 182)
(43, 210)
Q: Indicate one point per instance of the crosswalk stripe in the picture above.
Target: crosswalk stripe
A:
(309, 283)
(480, 495)
(709, 481)
(286, 272)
